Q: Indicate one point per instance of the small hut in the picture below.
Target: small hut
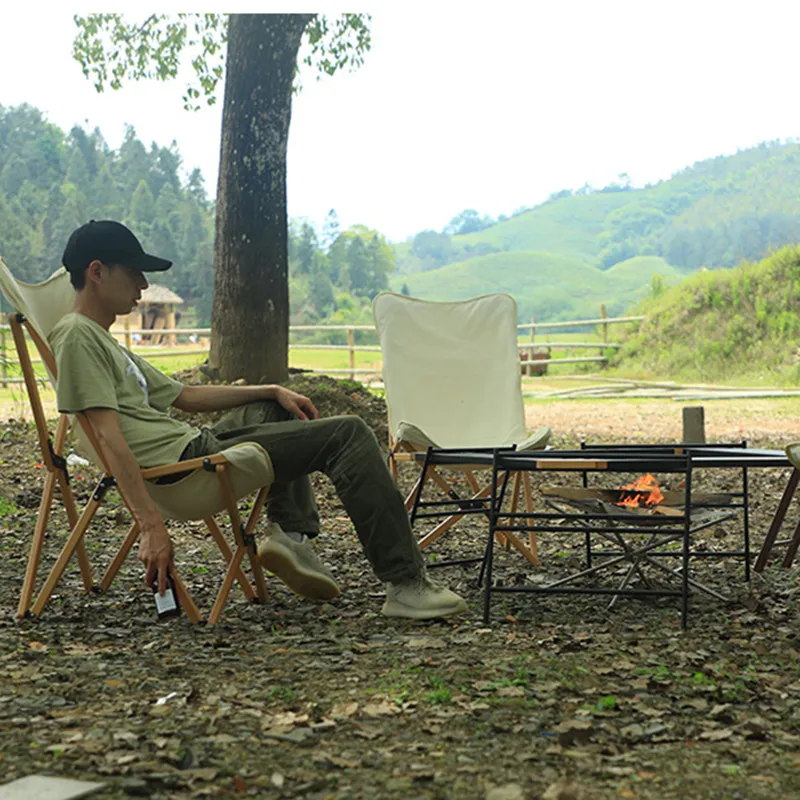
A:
(156, 310)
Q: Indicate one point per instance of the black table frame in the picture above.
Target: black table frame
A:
(664, 458)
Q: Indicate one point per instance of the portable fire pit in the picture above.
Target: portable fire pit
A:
(640, 503)
(644, 506)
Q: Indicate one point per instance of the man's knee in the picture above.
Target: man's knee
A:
(356, 429)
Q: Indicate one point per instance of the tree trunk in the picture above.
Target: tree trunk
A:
(250, 315)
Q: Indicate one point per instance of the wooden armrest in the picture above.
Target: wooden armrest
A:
(182, 466)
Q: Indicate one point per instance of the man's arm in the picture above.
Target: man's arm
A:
(195, 399)
(155, 547)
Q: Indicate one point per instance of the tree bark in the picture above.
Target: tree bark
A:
(250, 315)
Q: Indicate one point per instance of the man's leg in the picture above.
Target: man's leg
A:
(290, 503)
(346, 450)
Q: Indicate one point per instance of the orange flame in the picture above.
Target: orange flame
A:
(642, 489)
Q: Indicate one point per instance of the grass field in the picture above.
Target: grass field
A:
(14, 403)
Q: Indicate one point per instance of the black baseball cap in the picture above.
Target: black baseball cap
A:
(112, 243)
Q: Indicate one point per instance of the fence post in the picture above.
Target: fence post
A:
(3, 362)
(351, 341)
(604, 325)
(694, 425)
(127, 333)
(529, 365)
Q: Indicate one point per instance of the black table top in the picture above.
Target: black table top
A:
(614, 458)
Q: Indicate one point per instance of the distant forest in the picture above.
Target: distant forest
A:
(52, 181)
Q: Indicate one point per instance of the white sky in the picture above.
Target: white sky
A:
(486, 106)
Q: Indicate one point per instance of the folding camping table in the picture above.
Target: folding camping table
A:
(678, 459)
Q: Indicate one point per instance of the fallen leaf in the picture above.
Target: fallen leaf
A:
(717, 735)
(563, 789)
(382, 709)
(344, 709)
(509, 791)
(426, 642)
(574, 731)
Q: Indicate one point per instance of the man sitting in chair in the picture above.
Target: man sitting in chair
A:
(125, 399)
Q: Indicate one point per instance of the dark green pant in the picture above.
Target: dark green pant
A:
(346, 450)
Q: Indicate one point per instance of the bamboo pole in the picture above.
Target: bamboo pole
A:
(3, 361)
(351, 343)
(529, 366)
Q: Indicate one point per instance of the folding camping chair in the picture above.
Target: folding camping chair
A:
(452, 378)
(215, 483)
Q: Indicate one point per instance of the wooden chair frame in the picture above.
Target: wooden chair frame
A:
(775, 526)
(57, 475)
(405, 452)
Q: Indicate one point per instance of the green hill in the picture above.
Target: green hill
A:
(545, 286)
(715, 213)
(718, 325)
(569, 226)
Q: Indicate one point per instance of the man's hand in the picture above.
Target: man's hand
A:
(155, 547)
(297, 404)
(155, 552)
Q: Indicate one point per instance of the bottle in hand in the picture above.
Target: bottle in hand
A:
(167, 604)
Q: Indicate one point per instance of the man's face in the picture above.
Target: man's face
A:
(122, 287)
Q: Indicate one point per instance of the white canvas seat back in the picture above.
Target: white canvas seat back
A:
(451, 370)
(42, 303)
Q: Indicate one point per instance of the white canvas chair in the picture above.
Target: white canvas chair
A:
(452, 378)
(215, 483)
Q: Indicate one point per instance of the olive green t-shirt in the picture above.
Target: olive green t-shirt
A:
(95, 371)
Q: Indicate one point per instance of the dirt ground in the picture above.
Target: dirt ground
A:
(556, 698)
(776, 420)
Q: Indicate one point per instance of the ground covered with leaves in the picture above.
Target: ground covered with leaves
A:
(556, 698)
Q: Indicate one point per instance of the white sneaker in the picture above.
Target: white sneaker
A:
(297, 565)
(421, 598)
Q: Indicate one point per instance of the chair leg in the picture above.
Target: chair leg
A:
(777, 521)
(515, 491)
(225, 589)
(119, 558)
(445, 526)
(185, 599)
(35, 554)
(258, 574)
(227, 554)
(242, 547)
(64, 557)
(533, 542)
(472, 481)
(792, 549)
(412, 495)
(255, 564)
(68, 499)
(72, 516)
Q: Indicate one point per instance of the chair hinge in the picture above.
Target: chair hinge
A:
(102, 487)
(59, 461)
(20, 317)
(208, 466)
(249, 539)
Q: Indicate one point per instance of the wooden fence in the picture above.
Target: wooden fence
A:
(171, 336)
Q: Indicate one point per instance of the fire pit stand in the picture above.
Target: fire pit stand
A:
(596, 516)
(644, 554)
